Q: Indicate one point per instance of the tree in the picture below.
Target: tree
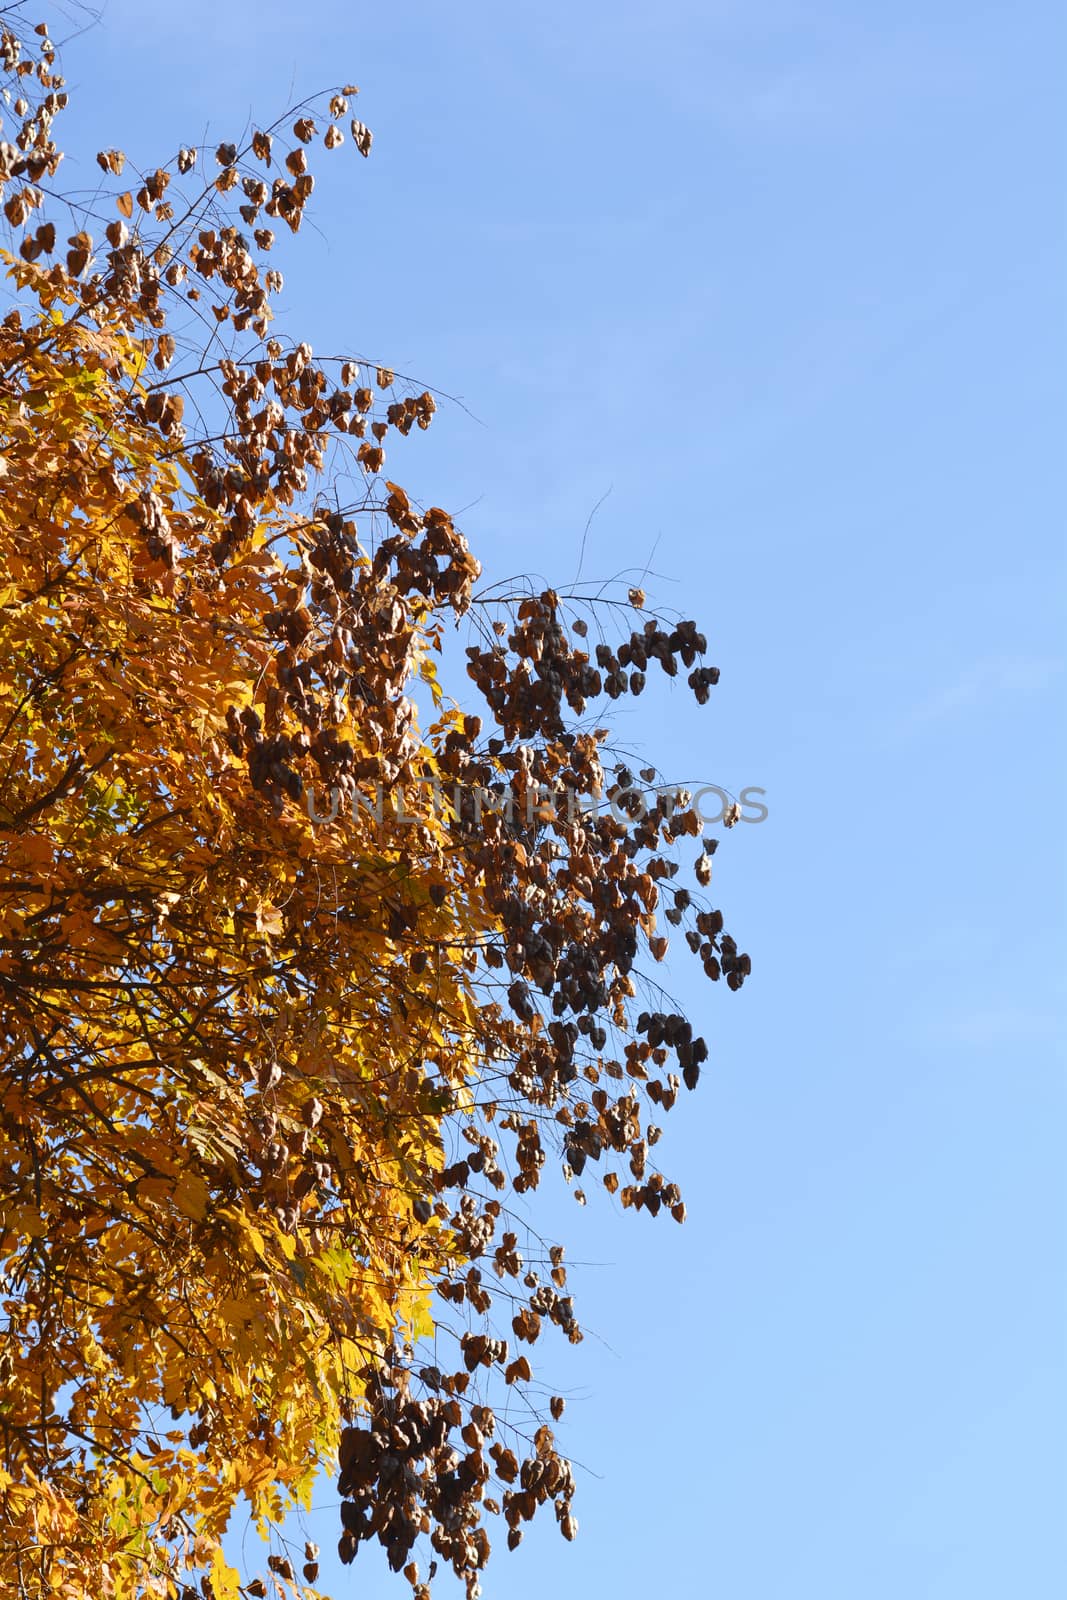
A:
(272, 1061)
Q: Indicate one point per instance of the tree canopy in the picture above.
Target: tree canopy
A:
(307, 960)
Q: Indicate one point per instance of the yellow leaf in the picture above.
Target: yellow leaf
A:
(192, 1196)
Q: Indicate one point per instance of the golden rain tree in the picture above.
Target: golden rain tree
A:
(294, 990)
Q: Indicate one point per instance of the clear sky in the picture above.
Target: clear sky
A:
(786, 279)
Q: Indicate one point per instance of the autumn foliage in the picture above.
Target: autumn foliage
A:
(268, 1083)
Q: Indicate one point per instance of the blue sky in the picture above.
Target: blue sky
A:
(787, 280)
